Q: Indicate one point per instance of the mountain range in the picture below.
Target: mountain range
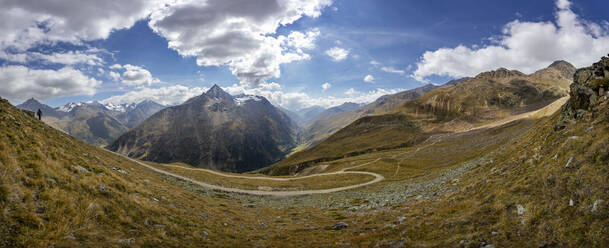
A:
(233, 129)
(214, 130)
(407, 118)
(96, 123)
(333, 121)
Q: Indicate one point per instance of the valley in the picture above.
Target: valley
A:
(486, 184)
(291, 123)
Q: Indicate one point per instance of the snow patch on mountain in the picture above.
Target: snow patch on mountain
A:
(120, 107)
(70, 106)
(241, 99)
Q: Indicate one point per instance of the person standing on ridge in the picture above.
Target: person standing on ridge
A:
(39, 113)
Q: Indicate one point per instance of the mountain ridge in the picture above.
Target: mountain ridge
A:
(488, 97)
(95, 123)
(214, 130)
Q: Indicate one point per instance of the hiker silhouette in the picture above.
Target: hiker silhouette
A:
(39, 113)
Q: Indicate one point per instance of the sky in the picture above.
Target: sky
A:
(296, 53)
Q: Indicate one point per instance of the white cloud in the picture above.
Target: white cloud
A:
(352, 92)
(115, 76)
(374, 62)
(269, 86)
(299, 100)
(390, 69)
(337, 54)
(325, 86)
(18, 83)
(134, 76)
(525, 46)
(116, 67)
(300, 40)
(369, 78)
(67, 58)
(26, 23)
(170, 95)
(563, 4)
(238, 33)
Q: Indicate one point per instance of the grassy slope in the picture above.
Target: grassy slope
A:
(475, 102)
(365, 135)
(46, 201)
(530, 174)
(325, 127)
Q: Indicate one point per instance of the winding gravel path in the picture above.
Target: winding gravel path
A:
(377, 178)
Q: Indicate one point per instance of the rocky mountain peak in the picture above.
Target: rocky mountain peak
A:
(217, 92)
(31, 101)
(564, 67)
(560, 63)
(500, 73)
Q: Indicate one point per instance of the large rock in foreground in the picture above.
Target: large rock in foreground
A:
(589, 84)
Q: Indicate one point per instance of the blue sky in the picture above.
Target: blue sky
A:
(128, 51)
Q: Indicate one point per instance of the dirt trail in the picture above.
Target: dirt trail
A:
(377, 178)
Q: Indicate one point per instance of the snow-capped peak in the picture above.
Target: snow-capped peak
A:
(240, 99)
(124, 107)
(70, 106)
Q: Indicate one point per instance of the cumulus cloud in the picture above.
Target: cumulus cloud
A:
(337, 54)
(67, 58)
(133, 75)
(27, 23)
(526, 46)
(170, 95)
(325, 86)
(238, 33)
(18, 83)
(369, 78)
(299, 100)
(115, 76)
(352, 92)
(138, 76)
(116, 67)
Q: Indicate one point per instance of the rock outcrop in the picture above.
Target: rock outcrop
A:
(589, 84)
(587, 90)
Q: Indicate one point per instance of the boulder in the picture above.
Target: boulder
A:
(340, 226)
(129, 240)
